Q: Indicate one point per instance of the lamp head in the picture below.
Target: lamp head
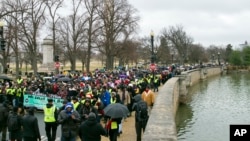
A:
(152, 33)
(1, 23)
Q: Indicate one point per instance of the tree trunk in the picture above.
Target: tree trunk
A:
(73, 64)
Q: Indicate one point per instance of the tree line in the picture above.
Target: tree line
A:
(83, 29)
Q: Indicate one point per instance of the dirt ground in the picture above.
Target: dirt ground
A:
(128, 130)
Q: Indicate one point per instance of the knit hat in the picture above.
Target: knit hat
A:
(92, 116)
(69, 105)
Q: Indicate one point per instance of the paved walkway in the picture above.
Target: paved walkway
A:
(128, 130)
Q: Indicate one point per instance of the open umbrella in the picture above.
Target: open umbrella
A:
(4, 77)
(64, 79)
(116, 110)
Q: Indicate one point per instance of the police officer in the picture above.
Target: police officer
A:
(50, 119)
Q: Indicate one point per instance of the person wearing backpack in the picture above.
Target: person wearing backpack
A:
(141, 115)
(31, 130)
(14, 123)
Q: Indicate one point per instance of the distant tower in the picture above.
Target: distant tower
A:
(48, 51)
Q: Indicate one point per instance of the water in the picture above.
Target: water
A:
(212, 106)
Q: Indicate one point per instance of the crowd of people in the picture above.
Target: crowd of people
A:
(85, 98)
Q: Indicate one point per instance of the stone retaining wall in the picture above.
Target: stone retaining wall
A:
(161, 124)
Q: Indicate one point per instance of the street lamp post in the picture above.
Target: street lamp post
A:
(152, 46)
(219, 58)
(213, 58)
(152, 54)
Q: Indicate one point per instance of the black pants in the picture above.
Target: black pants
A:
(29, 139)
(48, 127)
(139, 127)
(113, 134)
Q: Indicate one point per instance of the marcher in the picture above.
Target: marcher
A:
(149, 97)
(156, 83)
(50, 120)
(86, 109)
(91, 130)
(140, 123)
(30, 126)
(14, 125)
(114, 127)
(69, 120)
(4, 110)
(63, 106)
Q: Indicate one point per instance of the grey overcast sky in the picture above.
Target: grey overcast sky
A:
(208, 22)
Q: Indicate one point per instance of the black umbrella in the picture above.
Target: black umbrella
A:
(64, 79)
(116, 110)
(4, 77)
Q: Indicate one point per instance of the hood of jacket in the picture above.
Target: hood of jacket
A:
(90, 121)
(137, 98)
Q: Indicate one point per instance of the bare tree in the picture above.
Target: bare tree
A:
(71, 32)
(197, 54)
(117, 16)
(30, 22)
(53, 6)
(179, 39)
(93, 26)
(163, 53)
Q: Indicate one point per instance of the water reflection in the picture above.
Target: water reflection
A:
(212, 106)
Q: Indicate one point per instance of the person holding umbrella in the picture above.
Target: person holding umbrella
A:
(113, 128)
(115, 112)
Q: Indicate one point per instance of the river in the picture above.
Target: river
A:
(212, 105)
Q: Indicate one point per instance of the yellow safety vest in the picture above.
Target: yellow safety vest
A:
(112, 100)
(49, 114)
(75, 105)
(12, 91)
(19, 81)
(8, 91)
(156, 80)
(19, 92)
(83, 101)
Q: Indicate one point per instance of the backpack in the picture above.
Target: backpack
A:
(142, 111)
(13, 122)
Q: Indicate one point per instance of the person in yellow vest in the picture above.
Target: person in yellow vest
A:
(19, 80)
(76, 104)
(114, 126)
(50, 119)
(9, 94)
(114, 98)
(156, 83)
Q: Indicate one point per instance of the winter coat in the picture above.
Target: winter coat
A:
(69, 126)
(91, 130)
(105, 98)
(148, 97)
(30, 126)
(126, 101)
(4, 113)
(15, 134)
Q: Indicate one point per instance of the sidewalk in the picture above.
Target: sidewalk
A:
(128, 130)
